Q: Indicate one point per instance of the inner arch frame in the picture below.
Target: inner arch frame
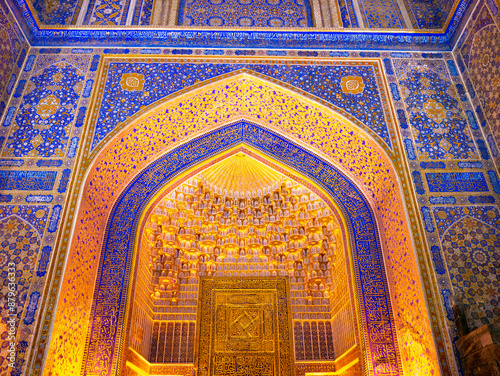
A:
(378, 325)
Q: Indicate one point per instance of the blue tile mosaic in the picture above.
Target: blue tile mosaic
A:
(143, 12)
(481, 145)
(427, 14)
(82, 50)
(388, 66)
(419, 184)
(94, 63)
(5, 198)
(438, 260)
(35, 215)
(481, 199)
(44, 261)
(50, 51)
(456, 182)
(446, 216)
(43, 120)
(381, 14)
(493, 145)
(73, 146)
(63, 184)
(429, 165)
(54, 218)
(238, 13)
(107, 12)
(49, 163)
(472, 119)
(29, 317)
(19, 88)
(470, 164)
(494, 181)
(426, 214)
(87, 90)
(395, 91)
(402, 119)
(27, 180)
(29, 63)
(55, 13)
(39, 198)
(11, 162)
(442, 200)
(438, 122)
(447, 304)
(452, 67)
(162, 79)
(410, 151)
(11, 84)
(230, 39)
(347, 14)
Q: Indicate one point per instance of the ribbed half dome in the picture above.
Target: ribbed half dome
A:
(241, 176)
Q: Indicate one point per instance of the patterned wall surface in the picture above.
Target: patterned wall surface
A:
(107, 12)
(384, 14)
(245, 13)
(115, 259)
(42, 135)
(428, 14)
(471, 249)
(242, 97)
(350, 88)
(56, 12)
(456, 114)
(42, 122)
(21, 229)
(454, 176)
(478, 57)
(437, 121)
(13, 49)
(143, 12)
(248, 13)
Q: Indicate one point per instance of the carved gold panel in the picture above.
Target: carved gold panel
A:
(244, 327)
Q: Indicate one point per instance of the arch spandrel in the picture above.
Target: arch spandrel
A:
(241, 97)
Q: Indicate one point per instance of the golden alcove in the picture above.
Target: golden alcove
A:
(227, 246)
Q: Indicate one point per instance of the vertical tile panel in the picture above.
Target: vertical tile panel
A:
(308, 355)
(323, 352)
(184, 342)
(190, 349)
(314, 339)
(168, 342)
(299, 341)
(154, 343)
(329, 340)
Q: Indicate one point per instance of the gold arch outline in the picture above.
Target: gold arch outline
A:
(286, 170)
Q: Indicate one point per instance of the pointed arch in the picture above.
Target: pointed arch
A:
(315, 129)
(115, 265)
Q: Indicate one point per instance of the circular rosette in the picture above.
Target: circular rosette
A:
(132, 82)
(352, 85)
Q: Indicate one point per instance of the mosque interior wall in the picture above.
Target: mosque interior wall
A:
(441, 108)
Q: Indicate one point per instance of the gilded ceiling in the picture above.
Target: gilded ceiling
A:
(239, 217)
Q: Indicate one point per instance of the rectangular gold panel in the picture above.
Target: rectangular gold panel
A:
(244, 327)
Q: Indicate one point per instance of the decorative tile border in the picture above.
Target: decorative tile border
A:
(186, 38)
